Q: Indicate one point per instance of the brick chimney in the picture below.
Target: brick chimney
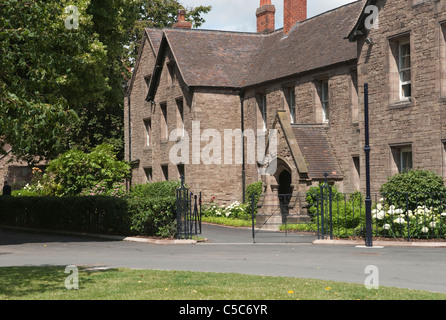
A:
(181, 22)
(266, 16)
(294, 11)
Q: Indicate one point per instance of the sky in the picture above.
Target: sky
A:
(239, 15)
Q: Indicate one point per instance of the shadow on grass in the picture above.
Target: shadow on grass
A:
(23, 282)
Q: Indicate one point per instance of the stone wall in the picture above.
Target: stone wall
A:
(418, 123)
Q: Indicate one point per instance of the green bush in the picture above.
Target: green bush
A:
(347, 211)
(253, 190)
(152, 209)
(418, 187)
(155, 189)
(75, 171)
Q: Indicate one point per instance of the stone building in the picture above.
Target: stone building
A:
(16, 173)
(194, 92)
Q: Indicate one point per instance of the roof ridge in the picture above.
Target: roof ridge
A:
(214, 31)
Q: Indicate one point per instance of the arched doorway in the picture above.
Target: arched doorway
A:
(285, 189)
(284, 181)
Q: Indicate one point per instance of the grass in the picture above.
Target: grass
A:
(48, 283)
(231, 222)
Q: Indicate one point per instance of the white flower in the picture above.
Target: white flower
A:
(399, 220)
(379, 215)
(425, 229)
(228, 213)
(391, 209)
(432, 224)
(443, 214)
(399, 211)
(386, 226)
(379, 206)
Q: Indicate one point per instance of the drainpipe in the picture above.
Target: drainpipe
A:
(242, 99)
(130, 139)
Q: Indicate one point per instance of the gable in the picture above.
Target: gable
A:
(237, 60)
(150, 41)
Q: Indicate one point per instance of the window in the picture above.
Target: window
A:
(164, 132)
(443, 60)
(147, 82)
(180, 118)
(325, 101)
(401, 158)
(180, 168)
(356, 173)
(444, 158)
(406, 159)
(263, 111)
(405, 70)
(148, 127)
(149, 175)
(400, 69)
(165, 172)
(291, 100)
(171, 72)
(354, 96)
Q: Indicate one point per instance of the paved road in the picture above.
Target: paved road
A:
(232, 250)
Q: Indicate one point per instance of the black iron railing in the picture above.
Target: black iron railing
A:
(188, 208)
(331, 214)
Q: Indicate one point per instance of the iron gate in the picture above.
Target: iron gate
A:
(274, 214)
(188, 207)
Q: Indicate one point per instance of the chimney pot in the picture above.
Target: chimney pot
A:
(181, 21)
(266, 16)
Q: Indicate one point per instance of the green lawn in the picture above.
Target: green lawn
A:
(48, 283)
(229, 222)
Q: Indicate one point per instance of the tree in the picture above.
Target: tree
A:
(161, 14)
(62, 83)
(120, 25)
(101, 121)
(47, 73)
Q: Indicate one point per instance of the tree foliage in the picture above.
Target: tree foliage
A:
(63, 87)
(161, 14)
(47, 73)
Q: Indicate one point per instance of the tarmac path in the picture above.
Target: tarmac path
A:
(232, 250)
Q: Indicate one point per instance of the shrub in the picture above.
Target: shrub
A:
(417, 187)
(423, 222)
(152, 208)
(75, 171)
(347, 210)
(253, 190)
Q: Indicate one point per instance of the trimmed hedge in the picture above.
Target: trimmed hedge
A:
(152, 208)
(83, 214)
(149, 210)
